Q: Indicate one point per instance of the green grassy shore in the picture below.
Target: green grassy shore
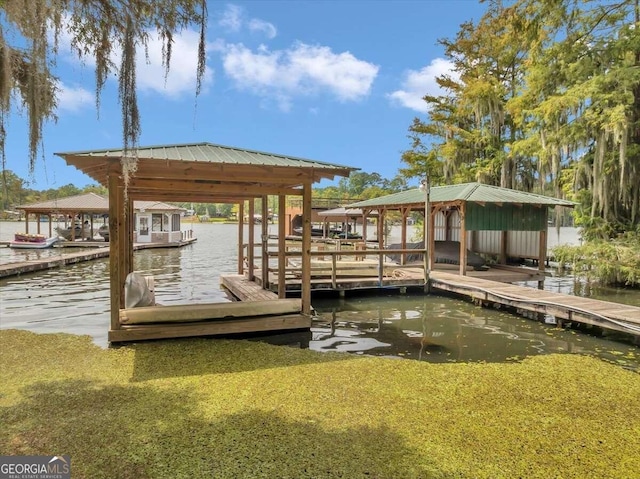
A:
(237, 409)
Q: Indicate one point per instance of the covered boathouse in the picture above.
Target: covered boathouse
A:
(204, 173)
(480, 218)
(154, 221)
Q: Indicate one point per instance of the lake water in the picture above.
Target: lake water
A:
(75, 299)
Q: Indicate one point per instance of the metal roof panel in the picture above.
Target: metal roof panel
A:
(472, 192)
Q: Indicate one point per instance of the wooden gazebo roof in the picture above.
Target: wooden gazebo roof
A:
(205, 172)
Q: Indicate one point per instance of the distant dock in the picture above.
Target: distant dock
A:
(96, 250)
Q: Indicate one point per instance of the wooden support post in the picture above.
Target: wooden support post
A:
(463, 240)
(252, 230)
(282, 259)
(334, 269)
(542, 255)
(26, 222)
(116, 204)
(432, 240)
(381, 228)
(265, 242)
(50, 226)
(306, 249)
(73, 226)
(241, 237)
(38, 223)
(129, 237)
(503, 247)
(365, 214)
(403, 233)
(447, 225)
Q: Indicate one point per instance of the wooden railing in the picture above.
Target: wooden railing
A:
(342, 250)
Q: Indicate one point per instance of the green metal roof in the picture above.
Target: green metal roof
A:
(470, 192)
(211, 153)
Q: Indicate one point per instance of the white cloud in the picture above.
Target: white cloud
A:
(73, 99)
(419, 83)
(184, 60)
(150, 74)
(300, 70)
(233, 19)
(257, 25)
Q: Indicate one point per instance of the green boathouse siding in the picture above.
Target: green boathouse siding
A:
(505, 217)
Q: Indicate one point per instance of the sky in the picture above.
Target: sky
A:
(338, 81)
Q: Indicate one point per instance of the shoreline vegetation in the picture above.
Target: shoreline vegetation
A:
(607, 262)
(235, 409)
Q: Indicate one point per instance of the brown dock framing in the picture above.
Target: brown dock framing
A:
(487, 288)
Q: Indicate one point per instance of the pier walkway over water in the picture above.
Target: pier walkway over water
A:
(493, 287)
(90, 251)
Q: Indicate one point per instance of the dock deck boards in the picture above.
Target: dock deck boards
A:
(245, 290)
(493, 286)
(97, 250)
(606, 314)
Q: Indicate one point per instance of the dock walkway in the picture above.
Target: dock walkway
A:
(64, 258)
(605, 314)
(484, 287)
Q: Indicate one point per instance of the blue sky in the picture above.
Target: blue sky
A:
(336, 81)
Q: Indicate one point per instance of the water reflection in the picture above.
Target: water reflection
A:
(441, 330)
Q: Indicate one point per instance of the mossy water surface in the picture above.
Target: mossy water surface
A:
(227, 408)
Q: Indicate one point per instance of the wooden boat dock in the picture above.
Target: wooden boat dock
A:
(491, 288)
(604, 314)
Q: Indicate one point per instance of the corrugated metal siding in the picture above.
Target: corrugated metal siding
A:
(506, 217)
(520, 244)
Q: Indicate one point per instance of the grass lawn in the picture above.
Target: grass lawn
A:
(232, 409)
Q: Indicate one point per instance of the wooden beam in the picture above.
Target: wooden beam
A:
(463, 240)
(282, 260)
(208, 328)
(306, 249)
(365, 213)
(128, 234)
(115, 197)
(504, 238)
(217, 187)
(403, 233)
(542, 250)
(251, 250)
(241, 237)
(381, 217)
(265, 242)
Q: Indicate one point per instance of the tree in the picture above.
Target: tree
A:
(545, 96)
(97, 29)
(582, 104)
(12, 190)
(470, 125)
